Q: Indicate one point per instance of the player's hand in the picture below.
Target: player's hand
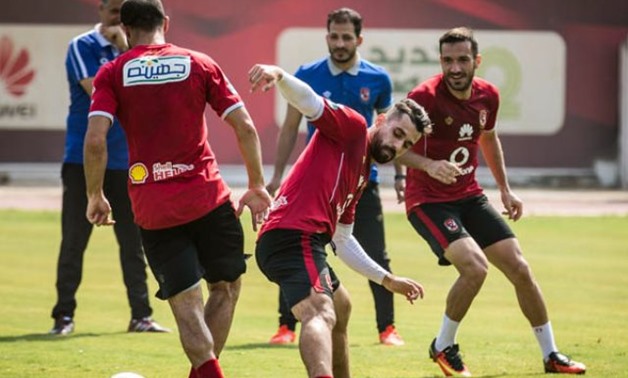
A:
(400, 189)
(258, 201)
(273, 185)
(512, 204)
(264, 76)
(443, 171)
(115, 35)
(404, 286)
(98, 211)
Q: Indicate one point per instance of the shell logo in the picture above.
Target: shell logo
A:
(138, 173)
(15, 73)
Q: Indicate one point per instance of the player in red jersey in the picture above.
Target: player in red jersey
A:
(316, 204)
(447, 207)
(189, 227)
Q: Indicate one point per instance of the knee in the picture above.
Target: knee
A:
(323, 318)
(343, 313)
(521, 274)
(475, 273)
(225, 291)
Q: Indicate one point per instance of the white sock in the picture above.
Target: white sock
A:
(545, 337)
(447, 334)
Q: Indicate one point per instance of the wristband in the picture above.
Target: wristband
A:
(400, 177)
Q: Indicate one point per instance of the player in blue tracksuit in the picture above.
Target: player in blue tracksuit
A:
(86, 54)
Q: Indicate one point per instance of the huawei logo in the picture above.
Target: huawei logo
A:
(15, 72)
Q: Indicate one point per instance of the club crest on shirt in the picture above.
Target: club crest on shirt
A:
(483, 118)
(365, 94)
(450, 225)
(138, 173)
(153, 70)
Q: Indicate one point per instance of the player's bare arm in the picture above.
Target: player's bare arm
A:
(404, 286)
(441, 170)
(256, 198)
(95, 163)
(285, 144)
(494, 156)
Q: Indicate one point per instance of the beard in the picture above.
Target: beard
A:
(459, 84)
(380, 153)
(341, 55)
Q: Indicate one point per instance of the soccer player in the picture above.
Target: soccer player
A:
(189, 226)
(447, 207)
(86, 54)
(345, 78)
(316, 205)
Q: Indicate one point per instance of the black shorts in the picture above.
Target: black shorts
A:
(211, 247)
(442, 223)
(297, 262)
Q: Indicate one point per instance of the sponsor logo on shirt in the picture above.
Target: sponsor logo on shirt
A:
(466, 132)
(169, 170)
(138, 173)
(278, 202)
(153, 70)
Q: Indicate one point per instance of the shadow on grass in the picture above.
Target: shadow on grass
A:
(53, 338)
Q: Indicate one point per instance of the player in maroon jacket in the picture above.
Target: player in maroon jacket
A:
(447, 207)
(316, 204)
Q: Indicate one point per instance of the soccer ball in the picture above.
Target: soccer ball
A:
(126, 374)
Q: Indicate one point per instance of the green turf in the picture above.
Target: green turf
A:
(581, 264)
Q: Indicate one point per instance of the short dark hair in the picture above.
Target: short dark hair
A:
(146, 15)
(418, 115)
(342, 15)
(459, 34)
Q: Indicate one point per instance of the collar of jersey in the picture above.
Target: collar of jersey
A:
(335, 71)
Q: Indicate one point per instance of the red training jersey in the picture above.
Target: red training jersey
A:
(159, 94)
(457, 128)
(326, 181)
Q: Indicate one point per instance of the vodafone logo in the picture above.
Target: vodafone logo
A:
(15, 72)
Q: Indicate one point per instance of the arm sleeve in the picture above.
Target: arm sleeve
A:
(301, 96)
(351, 253)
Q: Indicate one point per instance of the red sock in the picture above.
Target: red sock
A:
(192, 373)
(210, 369)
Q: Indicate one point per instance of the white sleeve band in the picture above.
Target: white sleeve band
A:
(301, 96)
(351, 253)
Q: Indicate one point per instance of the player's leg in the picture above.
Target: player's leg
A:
(340, 340)
(503, 251)
(219, 310)
(220, 241)
(369, 231)
(75, 233)
(174, 261)
(440, 225)
(317, 316)
(297, 262)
